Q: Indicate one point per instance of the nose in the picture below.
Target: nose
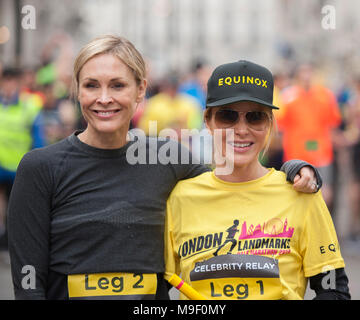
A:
(104, 98)
(241, 127)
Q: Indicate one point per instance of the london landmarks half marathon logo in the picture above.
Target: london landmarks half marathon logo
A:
(270, 238)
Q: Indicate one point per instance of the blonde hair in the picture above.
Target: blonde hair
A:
(109, 44)
(272, 132)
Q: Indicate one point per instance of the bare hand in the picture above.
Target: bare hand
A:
(305, 180)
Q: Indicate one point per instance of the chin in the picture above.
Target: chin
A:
(243, 160)
(109, 128)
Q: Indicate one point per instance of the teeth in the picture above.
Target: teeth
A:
(240, 145)
(106, 113)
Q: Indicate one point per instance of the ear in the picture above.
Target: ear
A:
(208, 123)
(141, 91)
(208, 127)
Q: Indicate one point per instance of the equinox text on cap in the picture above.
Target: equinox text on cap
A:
(242, 79)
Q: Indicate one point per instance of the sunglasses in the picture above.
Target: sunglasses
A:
(226, 118)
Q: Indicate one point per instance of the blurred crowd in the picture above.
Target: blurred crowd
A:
(316, 124)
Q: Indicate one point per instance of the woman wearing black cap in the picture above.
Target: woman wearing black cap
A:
(87, 221)
(283, 238)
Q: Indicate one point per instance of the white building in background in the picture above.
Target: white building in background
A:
(172, 33)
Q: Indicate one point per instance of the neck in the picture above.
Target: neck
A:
(245, 173)
(103, 140)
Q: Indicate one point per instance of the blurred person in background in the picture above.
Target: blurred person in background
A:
(29, 84)
(309, 126)
(152, 89)
(53, 78)
(353, 136)
(194, 84)
(20, 131)
(342, 165)
(58, 114)
(170, 109)
(56, 64)
(275, 154)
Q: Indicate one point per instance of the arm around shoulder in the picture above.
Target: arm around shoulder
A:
(292, 168)
(184, 163)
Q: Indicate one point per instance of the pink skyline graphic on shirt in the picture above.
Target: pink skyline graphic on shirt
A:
(272, 228)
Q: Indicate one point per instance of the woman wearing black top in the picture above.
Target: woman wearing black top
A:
(87, 222)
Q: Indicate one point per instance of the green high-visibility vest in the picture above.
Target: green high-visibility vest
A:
(16, 122)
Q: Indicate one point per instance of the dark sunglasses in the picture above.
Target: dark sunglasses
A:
(226, 118)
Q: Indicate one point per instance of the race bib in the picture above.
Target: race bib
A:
(311, 145)
(237, 277)
(119, 286)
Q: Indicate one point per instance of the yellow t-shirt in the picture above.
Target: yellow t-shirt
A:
(180, 112)
(252, 240)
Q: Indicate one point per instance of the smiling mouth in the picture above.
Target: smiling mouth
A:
(107, 113)
(241, 145)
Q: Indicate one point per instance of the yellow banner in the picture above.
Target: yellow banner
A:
(111, 284)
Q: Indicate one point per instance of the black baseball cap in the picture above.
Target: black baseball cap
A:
(240, 81)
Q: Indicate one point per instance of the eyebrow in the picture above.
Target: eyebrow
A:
(113, 79)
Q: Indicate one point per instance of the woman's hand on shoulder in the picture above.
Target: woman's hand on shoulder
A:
(305, 180)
